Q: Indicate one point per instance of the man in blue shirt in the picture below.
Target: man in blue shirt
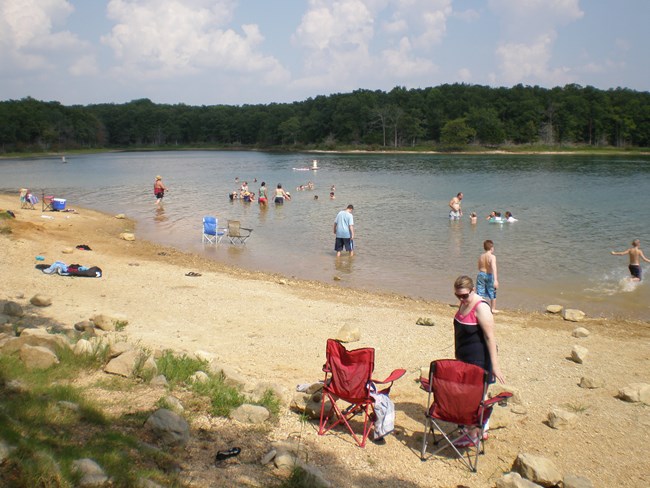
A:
(344, 231)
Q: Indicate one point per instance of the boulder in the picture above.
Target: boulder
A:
(117, 348)
(561, 419)
(250, 414)
(554, 308)
(124, 364)
(159, 380)
(580, 332)
(108, 322)
(37, 357)
(537, 469)
(285, 461)
(127, 236)
(579, 354)
(591, 383)
(40, 300)
(635, 393)
(35, 337)
(169, 427)
(83, 348)
(85, 326)
(13, 309)
(173, 404)
(90, 472)
(348, 333)
(573, 315)
(574, 481)
(501, 418)
(514, 480)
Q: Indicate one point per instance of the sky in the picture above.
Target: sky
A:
(235, 52)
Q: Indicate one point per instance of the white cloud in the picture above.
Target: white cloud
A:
(464, 74)
(84, 65)
(469, 15)
(30, 38)
(165, 38)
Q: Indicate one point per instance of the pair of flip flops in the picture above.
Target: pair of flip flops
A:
(192, 273)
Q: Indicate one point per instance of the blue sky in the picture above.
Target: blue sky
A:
(206, 52)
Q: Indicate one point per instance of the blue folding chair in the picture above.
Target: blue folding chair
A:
(212, 234)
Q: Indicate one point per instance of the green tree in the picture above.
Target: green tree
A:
(456, 134)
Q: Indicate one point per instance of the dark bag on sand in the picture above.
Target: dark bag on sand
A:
(93, 272)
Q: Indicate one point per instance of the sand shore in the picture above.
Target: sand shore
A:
(274, 328)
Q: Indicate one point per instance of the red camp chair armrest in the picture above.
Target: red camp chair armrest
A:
(395, 375)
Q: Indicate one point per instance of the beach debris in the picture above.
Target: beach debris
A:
(537, 469)
(425, 321)
(120, 216)
(575, 481)
(282, 282)
(37, 357)
(561, 419)
(127, 236)
(573, 315)
(90, 472)
(192, 273)
(348, 333)
(250, 414)
(554, 308)
(223, 455)
(40, 300)
(579, 354)
(337, 278)
(169, 427)
(67, 250)
(591, 383)
(580, 332)
(13, 309)
(635, 393)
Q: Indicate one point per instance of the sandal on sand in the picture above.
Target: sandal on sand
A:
(192, 273)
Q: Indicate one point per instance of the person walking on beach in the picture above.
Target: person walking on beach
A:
(344, 231)
(487, 281)
(159, 189)
(454, 204)
(636, 254)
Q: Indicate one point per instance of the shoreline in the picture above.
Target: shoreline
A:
(273, 328)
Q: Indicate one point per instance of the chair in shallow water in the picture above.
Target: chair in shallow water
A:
(212, 234)
(236, 233)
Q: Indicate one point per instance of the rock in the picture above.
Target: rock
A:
(518, 409)
(537, 469)
(83, 348)
(173, 404)
(336, 278)
(13, 309)
(208, 357)
(579, 354)
(16, 386)
(67, 250)
(169, 427)
(425, 321)
(159, 380)
(580, 332)
(266, 459)
(91, 473)
(635, 392)
(501, 418)
(108, 322)
(127, 236)
(85, 326)
(285, 461)
(120, 216)
(573, 481)
(202, 422)
(348, 333)
(40, 300)
(313, 477)
(124, 364)
(554, 308)
(573, 315)
(250, 414)
(117, 348)
(259, 390)
(561, 419)
(37, 357)
(199, 377)
(150, 367)
(591, 383)
(514, 480)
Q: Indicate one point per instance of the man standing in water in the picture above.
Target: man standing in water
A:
(487, 281)
(456, 212)
(636, 254)
(344, 231)
(159, 189)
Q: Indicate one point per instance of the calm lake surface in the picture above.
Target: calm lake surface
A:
(572, 211)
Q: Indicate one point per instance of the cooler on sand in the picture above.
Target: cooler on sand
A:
(58, 204)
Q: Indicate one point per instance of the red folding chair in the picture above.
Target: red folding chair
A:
(459, 393)
(348, 377)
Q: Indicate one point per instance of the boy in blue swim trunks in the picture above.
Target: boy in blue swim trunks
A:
(487, 281)
(636, 254)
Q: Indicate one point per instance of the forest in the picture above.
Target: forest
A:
(445, 117)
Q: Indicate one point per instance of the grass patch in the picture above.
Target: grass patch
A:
(577, 407)
(223, 398)
(178, 369)
(299, 479)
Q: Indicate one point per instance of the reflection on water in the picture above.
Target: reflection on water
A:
(569, 211)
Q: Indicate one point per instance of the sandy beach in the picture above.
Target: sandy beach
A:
(274, 328)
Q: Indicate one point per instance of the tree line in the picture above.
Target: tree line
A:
(450, 116)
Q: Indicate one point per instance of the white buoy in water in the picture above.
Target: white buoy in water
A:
(314, 164)
(63, 159)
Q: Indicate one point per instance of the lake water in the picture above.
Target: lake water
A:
(572, 211)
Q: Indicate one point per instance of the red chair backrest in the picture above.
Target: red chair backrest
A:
(351, 371)
(458, 390)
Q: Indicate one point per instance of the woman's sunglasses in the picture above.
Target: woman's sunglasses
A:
(462, 296)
